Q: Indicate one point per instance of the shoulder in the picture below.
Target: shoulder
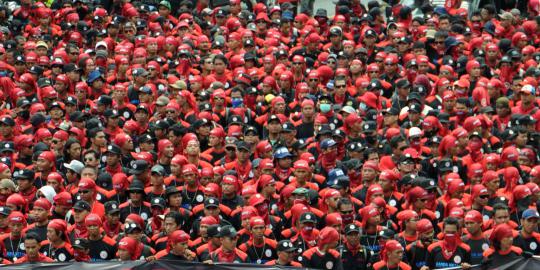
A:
(466, 247)
(488, 252)
(434, 246)
(517, 250)
(404, 266)
(308, 253)
(378, 265)
(334, 253)
(109, 241)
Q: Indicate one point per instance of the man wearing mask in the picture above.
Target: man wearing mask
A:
(324, 252)
(353, 254)
(450, 252)
(418, 250)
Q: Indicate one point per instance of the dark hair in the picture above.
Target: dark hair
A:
(92, 152)
(343, 201)
(370, 151)
(222, 58)
(32, 236)
(67, 145)
(452, 221)
(396, 140)
(176, 216)
(490, 9)
(444, 17)
(499, 206)
(441, 34)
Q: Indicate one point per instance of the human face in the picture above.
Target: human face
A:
(89, 173)
(473, 227)
(501, 216)
(80, 215)
(170, 225)
(31, 247)
(52, 235)
(228, 243)
(530, 225)
(124, 255)
(258, 231)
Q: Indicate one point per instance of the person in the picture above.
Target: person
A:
(177, 248)
(57, 245)
(353, 254)
(259, 248)
(196, 115)
(417, 251)
(13, 241)
(528, 238)
(501, 250)
(392, 255)
(324, 254)
(101, 246)
(285, 255)
(450, 252)
(228, 251)
(32, 246)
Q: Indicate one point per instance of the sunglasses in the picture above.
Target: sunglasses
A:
(331, 62)
(313, 80)
(438, 42)
(484, 196)
(346, 212)
(297, 63)
(86, 191)
(340, 86)
(55, 141)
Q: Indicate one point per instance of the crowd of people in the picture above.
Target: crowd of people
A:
(388, 136)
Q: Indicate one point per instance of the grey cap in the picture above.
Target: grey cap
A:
(75, 166)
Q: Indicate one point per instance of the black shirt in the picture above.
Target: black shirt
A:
(357, 259)
(436, 260)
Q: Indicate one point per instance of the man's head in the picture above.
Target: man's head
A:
(32, 246)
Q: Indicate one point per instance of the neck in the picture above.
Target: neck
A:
(57, 242)
(409, 232)
(193, 159)
(42, 223)
(94, 236)
(258, 240)
(392, 263)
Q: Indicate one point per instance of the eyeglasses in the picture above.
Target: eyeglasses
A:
(129, 31)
